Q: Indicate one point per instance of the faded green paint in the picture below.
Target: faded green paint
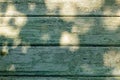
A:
(92, 37)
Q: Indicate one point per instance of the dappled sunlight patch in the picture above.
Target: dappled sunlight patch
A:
(116, 71)
(73, 48)
(68, 8)
(52, 4)
(11, 10)
(16, 42)
(69, 39)
(85, 68)
(89, 5)
(20, 21)
(5, 49)
(31, 6)
(11, 68)
(11, 25)
(82, 25)
(111, 23)
(112, 60)
(8, 31)
(108, 10)
(68, 19)
(118, 12)
(5, 0)
(117, 2)
(25, 48)
(80, 29)
(45, 37)
(72, 7)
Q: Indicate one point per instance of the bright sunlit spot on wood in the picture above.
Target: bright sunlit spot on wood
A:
(8, 31)
(11, 26)
(80, 29)
(72, 7)
(117, 2)
(11, 10)
(50, 4)
(16, 42)
(5, 49)
(69, 39)
(20, 21)
(74, 48)
(111, 23)
(31, 6)
(25, 49)
(86, 67)
(68, 8)
(11, 67)
(116, 71)
(45, 37)
(77, 38)
(112, 60)
(89, 5)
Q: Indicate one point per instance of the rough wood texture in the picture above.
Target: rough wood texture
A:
(55, 7)
(59, 78)
(37, 38)
(54, 30)
(60, 61)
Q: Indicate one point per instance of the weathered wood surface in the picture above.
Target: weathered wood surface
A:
(59, 78)
(55, 7)
(45, 26)
(21, 0)
(71, 60)
(53, 30)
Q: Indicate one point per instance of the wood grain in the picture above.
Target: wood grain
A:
(52, 30)
(40, 7)
(59, 78)
(65, 60)
(59, 40)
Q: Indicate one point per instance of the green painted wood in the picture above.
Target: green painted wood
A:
(63, 60)
(56, 31)
(48, 7)
(22, 1)
(59, 78)
(45, 24)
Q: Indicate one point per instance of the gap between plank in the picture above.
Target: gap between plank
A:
(59, 15)
(58, 45)
(37, 75)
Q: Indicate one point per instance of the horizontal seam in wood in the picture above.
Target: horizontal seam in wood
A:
(22, 2)
(59, 75)
(59, 15)
(58, 45)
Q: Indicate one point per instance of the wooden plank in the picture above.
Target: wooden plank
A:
(55, 7)
(21, 0)
(56, 31)
(59, 78)
(71, 60)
